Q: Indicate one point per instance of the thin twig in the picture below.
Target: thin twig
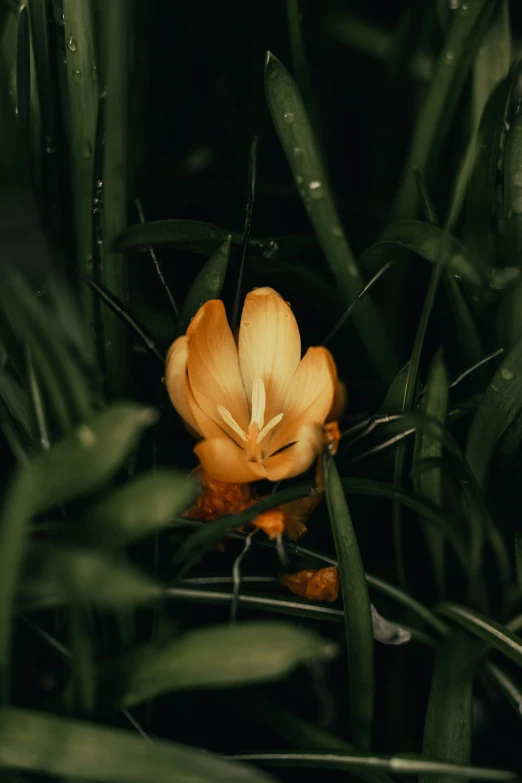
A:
(247, 228)
(157, 264)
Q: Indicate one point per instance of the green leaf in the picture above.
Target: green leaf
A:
(116, 46)
(464, 36)
(358, 619)
(300, 733)
(448, 725)
(23, 79)
(82, 103)
(510, 689)
(209, 536)
(36, 742)
(220, 656)
(429, 485)
(75, 466)
(425, 239)
(403, 764)
(495, 634)
(297, 139)
(139, 508)
(481, 195)
(498, 408)
(63, 576)
(207, 285)
(14, 397)
(86, 460)
(35, 325)
(384, 631)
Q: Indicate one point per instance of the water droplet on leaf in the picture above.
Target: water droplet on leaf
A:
(71, 44)
(506, 374)
(78, 76)
(289, 117)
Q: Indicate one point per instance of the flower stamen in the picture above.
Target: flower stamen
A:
(232, 423)
(258, 403)
(270, 426)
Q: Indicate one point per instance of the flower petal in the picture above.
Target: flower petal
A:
(309, 398)
(224, 461)
(269, 346)
(213, 366)
(309, 441)
(180, 393)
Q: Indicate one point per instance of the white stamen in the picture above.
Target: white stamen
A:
(270, 426)
(258, 403)
(232, 423)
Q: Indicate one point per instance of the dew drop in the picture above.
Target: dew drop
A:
(41, 291)
(517, 179)
(94, 73)
(99, 184)
(517, 205)
(78, 76)
(50, 146)
(454, 4)
(71, 44)
(298, 179)
(298, 151)
(316, 190)
(270, 249)
(86, 436)
(449, 57)
(289, 117)
(506, 374)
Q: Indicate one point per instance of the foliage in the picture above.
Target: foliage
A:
(129, 162)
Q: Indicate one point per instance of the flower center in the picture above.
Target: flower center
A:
(257, 429)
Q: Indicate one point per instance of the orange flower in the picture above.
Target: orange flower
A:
(322, 585)
(258, 407)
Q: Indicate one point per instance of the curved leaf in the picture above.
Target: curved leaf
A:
(37, 742)
(207, 285)
(497, 635)
(297, 139)
(357, 610)
(139, 508)
(425, 239)
(220, 656)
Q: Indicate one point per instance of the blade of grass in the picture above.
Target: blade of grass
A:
(118, 15)
(252, 164)
(42, 743)
(297, 139)
(82, 104)
(78, 464)
(157, 265)
(429, 486)
(38, 405)
(498, 408)
(468, 335)
(448, 723)
(425, 240)
(409, 764)
(301, 733)
(216, 657)
(464, 36)
(358, 619)
(495, 634)
(208, 284)
(119, 309)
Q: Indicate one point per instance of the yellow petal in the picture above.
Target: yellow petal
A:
(269, 346)
(309, 398)
(298, 457)
(181, 394)
(222, 460)
(213, 366)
